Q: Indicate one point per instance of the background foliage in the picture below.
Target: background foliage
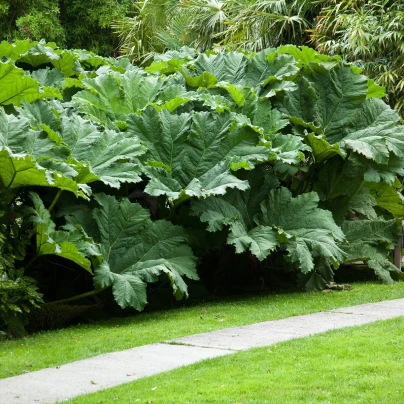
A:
(369, 33)
(253, 25)
(70, 23)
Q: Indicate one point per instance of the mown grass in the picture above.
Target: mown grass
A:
(52, 348)
(353, 365)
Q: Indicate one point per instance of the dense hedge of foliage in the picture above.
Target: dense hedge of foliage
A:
(71, 23)
(369, 33)
(285, 157)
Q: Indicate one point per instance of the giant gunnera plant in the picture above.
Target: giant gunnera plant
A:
(134, 175)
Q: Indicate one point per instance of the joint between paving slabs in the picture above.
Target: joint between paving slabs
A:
(200, 346)
(345, 312)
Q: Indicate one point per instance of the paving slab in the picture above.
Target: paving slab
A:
(108, 370)
(93, 374)
(272, 332)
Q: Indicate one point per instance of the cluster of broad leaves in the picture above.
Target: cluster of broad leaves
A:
(286, 152)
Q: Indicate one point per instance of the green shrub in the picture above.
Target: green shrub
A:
(71, 23)
(136, 176)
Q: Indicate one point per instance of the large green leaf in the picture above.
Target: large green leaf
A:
(337, 182)
(137, 251)
(113, 95)
(31, 158)
(39, 54)
(268, 118)
(322, 150)
(191, 155)
(332, 103)
(307, 230)
(388, 198)
(287, 151)
(329, 99)
(225, 66)
(72, 245)
(14, 50)
(71, 145)
(16, 133)
(305, 55)
(237, 210)
(111, 157)
(380, 137)
(20, 170)
(263, 218)
(16, 86)
(363, 202)
(269, 71)
(370, 241)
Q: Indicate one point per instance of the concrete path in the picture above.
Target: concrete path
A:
(90, 375)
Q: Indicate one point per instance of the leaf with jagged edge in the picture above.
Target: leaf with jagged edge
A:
(377, 142)
(386, 271)
(205, 80)
(177, 95)
(224, 66)
(363, 203)
(49, 77)
(332, 103)
(37, 55)
(87, 154)
(114, 95)
(306, 230)
(136, 250)
(322, 150)
(328, 98)
(167, 66)
(191, 155)
(317, 279)
(41, 114)
(173, 97)
(184, 53)
(268, 118)
(369, 231)
(282, 67)
(21, 170)
(374, 90)
(236, 210)
(235, 92)
(62, 243)
(384, 173)
(369, 241)
(387, 197)
(31, 157)
(111, 157)
(339, 177)
(16, 133)
(288, 149)
(68, 63)
(337, 182)
(16, 86)
(374, 113)
(268, 73)
(14, 50)
(260, 224)
(305, 55)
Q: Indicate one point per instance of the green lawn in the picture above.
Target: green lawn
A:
(53, 348)
(353, 365)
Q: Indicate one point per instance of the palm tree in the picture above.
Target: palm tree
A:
(370, 34)
(205, 24)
